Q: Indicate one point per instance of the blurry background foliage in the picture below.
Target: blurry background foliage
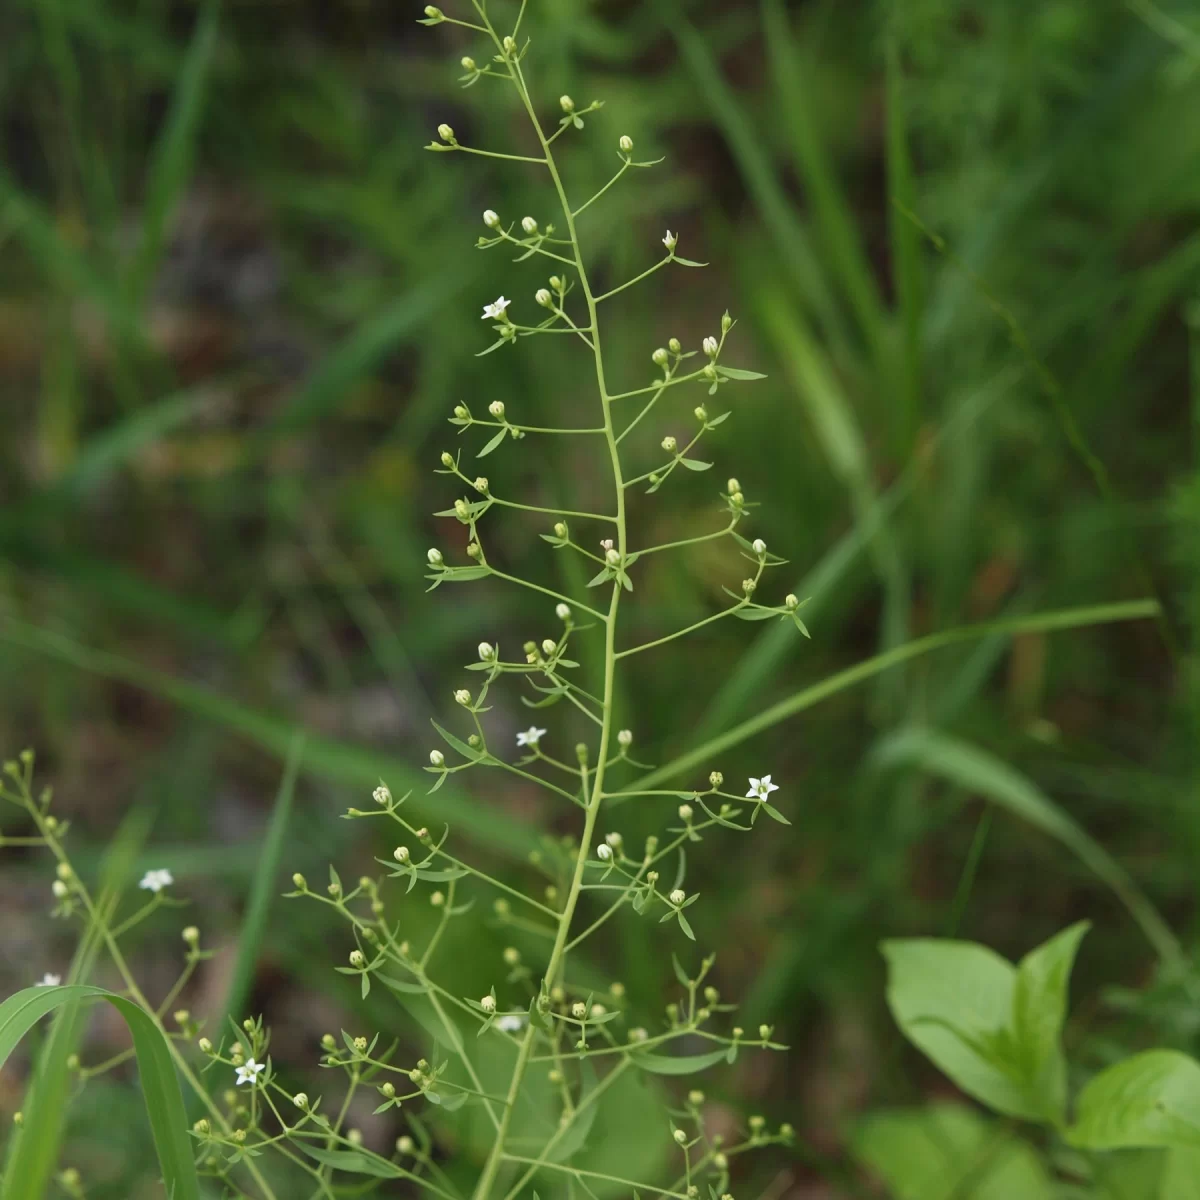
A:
(237, 304)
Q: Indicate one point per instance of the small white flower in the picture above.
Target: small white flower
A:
(562, 612)
(496, 408)
(677, 897)
(49, 980)
(382, 795)
(671, 240)
(511, 1023)
(495, 310)
(491, 218)
(759, 547)
(604, 852)
(488, 1004)
(760, 789)
(529, 225)
(462, 696)
(250, 1071)
(155, 881)
(60, 889)
(669, 444)
(531, 736)
(710, 347)
(614, 839)
(625, 737)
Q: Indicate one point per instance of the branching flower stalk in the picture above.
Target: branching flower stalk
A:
(555, 1032)
(617, 557)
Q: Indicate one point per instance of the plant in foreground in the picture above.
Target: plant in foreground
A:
(536, 1053)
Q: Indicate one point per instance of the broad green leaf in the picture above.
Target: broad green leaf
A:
(1039, 1010)
(948, 1152)
(688, 1064)
(1151, 1099)
(954, 1001)
(156, 1073)
(1181, 1178)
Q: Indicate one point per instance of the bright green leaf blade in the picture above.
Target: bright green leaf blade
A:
(1181, 1178)
(688, 1064)
(33, 1151)
(1039, 1011)
(953, 1000)
(1151, 1099)
(156, 1073)
(948, 1152)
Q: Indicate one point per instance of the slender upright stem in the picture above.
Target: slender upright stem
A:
(556, 962)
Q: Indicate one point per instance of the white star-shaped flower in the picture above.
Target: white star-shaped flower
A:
(760, 789)
(531, 736)
(495, 310)
(250, 1072)
(511, 1023)
(155, 881)
(49, 980)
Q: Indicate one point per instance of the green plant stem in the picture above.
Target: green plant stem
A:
(555, 965)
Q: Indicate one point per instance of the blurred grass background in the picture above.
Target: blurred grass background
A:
(237, 304)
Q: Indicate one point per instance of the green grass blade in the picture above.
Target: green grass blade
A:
(978, 771)
(768, 654)
(906, 254)
(34, 1154)
(1067, 618)
(780, 217)
(160, 1088)
(265, 884)
(357, 355)
(343, 762)
(833, 418)
(831, 210)
(174, 152)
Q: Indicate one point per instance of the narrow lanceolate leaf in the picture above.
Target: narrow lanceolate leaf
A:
(739, 373)
(156, 1075)
(354, 1162)
(688, 1064)
(493, 443)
